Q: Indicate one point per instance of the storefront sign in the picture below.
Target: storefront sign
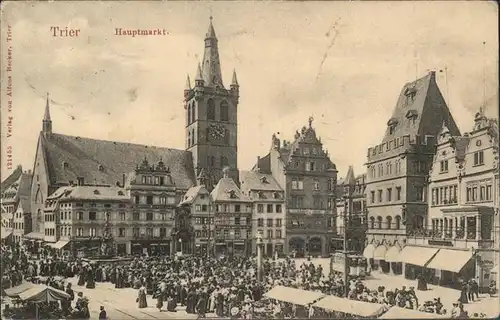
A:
(443, 243)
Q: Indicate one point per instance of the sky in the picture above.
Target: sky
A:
(343, 63)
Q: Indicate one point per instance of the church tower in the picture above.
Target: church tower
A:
(47, 122)
(212, 117)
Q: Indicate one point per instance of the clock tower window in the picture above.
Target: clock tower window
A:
(193, 112)
(224, 111)
(210, 109)
(189, 114)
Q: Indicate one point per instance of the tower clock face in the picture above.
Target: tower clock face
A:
(217, 131)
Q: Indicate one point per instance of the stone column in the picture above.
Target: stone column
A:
(478, 227)
(465, 227)
(453, 228)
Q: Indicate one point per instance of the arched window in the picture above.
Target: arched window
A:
(210, 109)
(207, 134)
(193, 136)
(379, 222)
(372, 223)
(193, 112)
(224, 111)
(189, 114)
(389, 222)
(226, 136)
(398, 222)
(189, 138)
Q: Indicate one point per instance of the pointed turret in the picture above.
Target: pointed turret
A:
(201, 178)
(198, 81)
(188, 84)
(47, 122)
(350, 179)
(234, 82)
(211, 70)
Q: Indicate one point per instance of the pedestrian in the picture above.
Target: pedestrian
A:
(102, 314)
(141, 298)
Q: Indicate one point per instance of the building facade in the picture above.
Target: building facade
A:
(351, 212)
(462, 219)
(232, 219)
(398, 169)
(212, 117)
(309, 178)
(75, 217)
(268, 213)
(198, 202)
(66, 161)
(154, 198)
(16, 207)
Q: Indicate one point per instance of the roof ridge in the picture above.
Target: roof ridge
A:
(113, 141)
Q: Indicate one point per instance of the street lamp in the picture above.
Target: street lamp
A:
(259, 244)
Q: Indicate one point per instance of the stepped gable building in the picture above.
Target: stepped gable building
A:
(233, 218)
(63, 160)
(15, 197)
(462, 227)
(309, 178)
(351, 211)
(398, 169)
(268, 217)
(212, 116)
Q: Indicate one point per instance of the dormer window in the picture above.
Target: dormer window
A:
(276, 195)
(392, 123)
(260, 194)
(410, 94)
(263, 179)
(101, 168)
(412, 115)
(120, 193)
(232, 194)
(65, 165)
(96, 191)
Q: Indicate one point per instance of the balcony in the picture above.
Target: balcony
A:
(311, 211)
(446, 238)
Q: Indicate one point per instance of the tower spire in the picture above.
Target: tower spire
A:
(234, 82)
(211, 70)
(188, 84)
(198, 81)
(47, 122)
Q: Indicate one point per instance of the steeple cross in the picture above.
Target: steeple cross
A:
(311, 119)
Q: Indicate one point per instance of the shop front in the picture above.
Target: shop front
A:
(451, 267)
(415, 260)
(150, 247)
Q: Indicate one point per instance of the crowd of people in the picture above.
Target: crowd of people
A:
(226, 287)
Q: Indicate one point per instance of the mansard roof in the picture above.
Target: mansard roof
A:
(13, 177)
(192, 194)
(104, 162)
(227, 190)
(89, 193)
(422, 102)
(255, 180)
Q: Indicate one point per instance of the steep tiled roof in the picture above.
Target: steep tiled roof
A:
(223, 190)
(90, 193)
(71, 157)
(422, 102)
(263, 164)
(25, 203)
(13, 177)
(350, 179)
(19, 188)
(251, 180)
(192, 193)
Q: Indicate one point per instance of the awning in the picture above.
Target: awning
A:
(41, 293)
(379, 253)
(59, 244)
(35, 235)
(294, 296)
(402, 313)
(392, 255)
(368, 252)
(450, 260)
(15, 291)
(418, 256)
(354, 307)
(5, 234)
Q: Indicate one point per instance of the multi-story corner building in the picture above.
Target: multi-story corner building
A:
(212, 117)
(268, 217)
(351, 212)
(16, 206)
(462, 192)
(309, 178)
(75, 217)
(398, 169)
(198, 202)
(154, 200)
(233, 218)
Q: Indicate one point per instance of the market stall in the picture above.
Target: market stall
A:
(336, 307)
(294, 302)
(403, 313)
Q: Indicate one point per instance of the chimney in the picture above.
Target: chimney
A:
(123, 180)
